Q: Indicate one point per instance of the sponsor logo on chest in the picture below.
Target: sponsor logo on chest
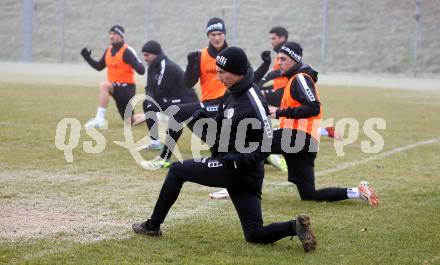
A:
(229, 113)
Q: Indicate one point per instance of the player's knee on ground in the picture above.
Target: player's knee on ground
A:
(254, 237)
(308, 197)
(307, 193)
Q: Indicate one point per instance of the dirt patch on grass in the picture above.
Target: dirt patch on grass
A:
(30, 210)
(20, 222)
(85, 207)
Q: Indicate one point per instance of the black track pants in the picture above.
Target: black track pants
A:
(301, 169)
(160, 105)
(185, 112)
(244, 192)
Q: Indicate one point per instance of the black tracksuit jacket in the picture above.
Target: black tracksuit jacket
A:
(243, 100)
(165, 79)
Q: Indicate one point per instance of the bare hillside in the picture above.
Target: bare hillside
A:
(363, 36)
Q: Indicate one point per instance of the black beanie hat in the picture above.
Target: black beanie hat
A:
(233, 60)
(152, 47)
(118, 29)
(215, 24)
(293, 50)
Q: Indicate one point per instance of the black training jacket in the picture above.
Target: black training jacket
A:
(165, 79)
(243, 100)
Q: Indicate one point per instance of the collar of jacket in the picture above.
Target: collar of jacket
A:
(278, 47)
(244, 84)
(116, 47)
(158, 59)
(213, 52)
(302, 68)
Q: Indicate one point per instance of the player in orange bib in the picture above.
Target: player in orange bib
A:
(201, 68)
(274, 92)
(298, 138)
(121, 61)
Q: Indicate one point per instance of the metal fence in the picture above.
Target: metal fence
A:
(388, 36)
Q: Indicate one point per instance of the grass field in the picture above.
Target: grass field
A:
(53, 212)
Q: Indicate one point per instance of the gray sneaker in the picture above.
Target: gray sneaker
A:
(146, 228)
(305, 233)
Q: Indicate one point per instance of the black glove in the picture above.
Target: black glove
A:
(193, 56)
(265, 56)
(277, 114)
(272, 75)
(86, 53)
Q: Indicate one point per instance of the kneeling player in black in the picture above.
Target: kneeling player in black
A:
(165, 86)
(240, 172)
(299, 113)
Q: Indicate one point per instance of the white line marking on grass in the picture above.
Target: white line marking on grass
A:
(365, 160)
(376, 157)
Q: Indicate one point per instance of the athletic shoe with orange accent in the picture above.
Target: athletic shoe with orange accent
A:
(367, 193)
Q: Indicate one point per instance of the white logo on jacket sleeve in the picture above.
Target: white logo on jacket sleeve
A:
(135, 54)
(306, 88)
(162, 71)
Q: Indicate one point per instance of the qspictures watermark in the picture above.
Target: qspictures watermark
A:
(68, 133)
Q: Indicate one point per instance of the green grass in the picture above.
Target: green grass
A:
(99, 195)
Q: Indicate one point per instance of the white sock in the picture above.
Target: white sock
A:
(353, 193)
(323, 131)
(100, 114)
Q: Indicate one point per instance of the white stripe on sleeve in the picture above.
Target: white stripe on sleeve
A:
(266, 123)
(134, 53)
(306, 88)
(162, 71)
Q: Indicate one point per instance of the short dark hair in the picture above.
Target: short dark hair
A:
(280, 32)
